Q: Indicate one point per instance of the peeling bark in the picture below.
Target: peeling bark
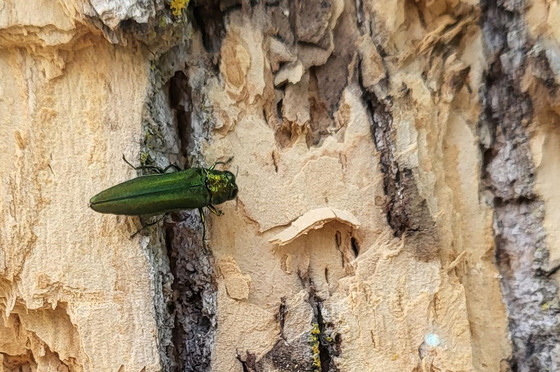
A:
(521, 251)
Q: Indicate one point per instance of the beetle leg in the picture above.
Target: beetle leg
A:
(203, 220)
(214, 210)
(153, 167)
(148, 225)
(221, 162)
(172, 165)
(127, 162)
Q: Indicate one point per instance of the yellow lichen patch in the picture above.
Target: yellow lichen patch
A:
(314, 342)
(177, 6)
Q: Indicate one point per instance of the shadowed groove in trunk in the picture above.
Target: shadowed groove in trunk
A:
(194, 296)
(188, 322)
(194, 303)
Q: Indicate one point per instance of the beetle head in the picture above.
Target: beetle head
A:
(221, 185)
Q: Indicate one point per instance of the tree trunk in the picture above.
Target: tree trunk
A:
(397, 166)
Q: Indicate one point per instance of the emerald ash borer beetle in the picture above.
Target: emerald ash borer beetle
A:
(166, 192)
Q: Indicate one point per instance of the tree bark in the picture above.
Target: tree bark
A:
(396, 164)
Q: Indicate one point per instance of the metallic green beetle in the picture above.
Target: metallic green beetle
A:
(162, 193)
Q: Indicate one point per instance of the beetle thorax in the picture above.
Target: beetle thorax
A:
(217, 184)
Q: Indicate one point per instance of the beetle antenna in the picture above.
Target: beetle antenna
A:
(221, 162)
